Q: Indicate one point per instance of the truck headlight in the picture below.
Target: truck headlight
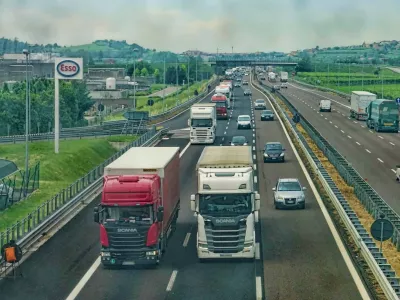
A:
(248, 244)
(151, 253)
(202, 245)
(105, 254)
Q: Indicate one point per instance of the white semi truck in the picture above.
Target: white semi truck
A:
(203, 123)
(271, 77)
(284, 76)
(225, 203)
(360, 100)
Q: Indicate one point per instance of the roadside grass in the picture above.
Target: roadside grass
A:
(57, 171)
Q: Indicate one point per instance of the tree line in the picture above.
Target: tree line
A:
(74, 102)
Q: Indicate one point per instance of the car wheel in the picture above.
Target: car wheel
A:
(276, 205)
(283, 159)
(303, 206)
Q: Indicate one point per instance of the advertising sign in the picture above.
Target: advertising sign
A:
(68, 68)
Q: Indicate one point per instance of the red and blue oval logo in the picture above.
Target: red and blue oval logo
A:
(68, 68)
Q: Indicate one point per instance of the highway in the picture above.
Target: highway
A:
(373, 154)
(301, 257)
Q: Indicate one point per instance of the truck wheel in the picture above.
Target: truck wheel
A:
(377, 129)
(202, 260)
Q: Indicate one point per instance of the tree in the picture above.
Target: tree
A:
(5, 88)
(137, 72)
(156, 74)
(304, 64)
(144, 72)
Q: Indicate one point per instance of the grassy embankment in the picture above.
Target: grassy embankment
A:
(57, 171)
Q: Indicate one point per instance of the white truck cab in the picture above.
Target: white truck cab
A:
(325, 105)
(203, 123)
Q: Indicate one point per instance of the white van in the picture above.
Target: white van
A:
(325, 105)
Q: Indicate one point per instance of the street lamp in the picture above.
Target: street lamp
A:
(26, 53)
(134, 79)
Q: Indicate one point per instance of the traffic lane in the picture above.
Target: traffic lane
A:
(148, 283)
(219, 279)
(379, 175)
(299, 250)
(63, 259)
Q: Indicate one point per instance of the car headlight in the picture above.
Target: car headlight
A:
(280, 198)
(265, 155)
(282, 154)
(301, 197)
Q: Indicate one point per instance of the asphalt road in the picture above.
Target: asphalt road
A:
(374, 155)
(300, 256)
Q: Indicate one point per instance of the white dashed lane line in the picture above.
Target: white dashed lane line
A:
(336, 126)
(342, 131)
(392, 144)
(367, 150)
(380, 160)
(358, 143)
(349, 137)
(380, 137)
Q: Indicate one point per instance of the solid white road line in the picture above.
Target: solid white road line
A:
(186, 241)
(172, 280)
(184, 150)
(81, 284)
(258, 288)
(342, 249)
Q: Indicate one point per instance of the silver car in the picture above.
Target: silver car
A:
(288, 192)
(260, 104)
(243, 121)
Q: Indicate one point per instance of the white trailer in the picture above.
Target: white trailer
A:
(203, 123)
(284, 76)
(225, 203)
(360, 100)
(225, 90)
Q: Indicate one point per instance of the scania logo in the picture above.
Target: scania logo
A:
(127, 230)
(225, 221)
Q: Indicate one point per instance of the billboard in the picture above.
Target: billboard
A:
(68, 68)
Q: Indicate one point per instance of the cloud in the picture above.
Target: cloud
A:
(178, 25)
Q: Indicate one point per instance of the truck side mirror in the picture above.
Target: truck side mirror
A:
(96, 215)
(193, 203)
(160, 214)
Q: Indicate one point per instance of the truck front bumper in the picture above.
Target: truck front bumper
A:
(248, 252)
(208, 140)
(122, 258)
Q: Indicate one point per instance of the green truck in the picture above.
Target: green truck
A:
(383, 115)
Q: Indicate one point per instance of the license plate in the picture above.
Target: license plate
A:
(290, 202)
(387, 124)
(274, 158)
(128, 263)
(225, 255)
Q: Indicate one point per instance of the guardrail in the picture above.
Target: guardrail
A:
(38, 221)
(321, 88)
(379, 266)
(106, 129)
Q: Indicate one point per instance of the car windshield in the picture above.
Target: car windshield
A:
(267, 112)
(201, 122)
(259, 101)
(129, 213)
(273, 146)
(289, 186)
(225, 204)
(244, 118)
(238, 139)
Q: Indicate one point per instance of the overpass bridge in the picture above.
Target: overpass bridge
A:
(229, 62)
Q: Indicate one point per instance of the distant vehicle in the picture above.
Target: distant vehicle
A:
(239, 141)
(237, 85)
(247, 93)
(284, 85)
(325, 105)
(277, 87)
(246, 74)
(244, 121)
(139, 206)
(274, 151)
(245, 83)
(203, 123)
(359, 102)
(271, 77)
(267, 115)
(262, 77)
(260, 104)
(284, 76)
(383, 115)
(222, 104)
(288, 192)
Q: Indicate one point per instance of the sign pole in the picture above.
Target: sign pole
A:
(56, 115)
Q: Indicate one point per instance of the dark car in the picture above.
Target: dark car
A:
(274, 152)
(239, 141)
(267, 115)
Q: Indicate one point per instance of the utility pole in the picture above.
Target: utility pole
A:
(177, 81)
(196, 69)
(163, 96)
(134, 79)
(188, 79)
(26, 181)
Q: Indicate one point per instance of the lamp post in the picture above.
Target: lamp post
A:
(26, 53)
(134, 79)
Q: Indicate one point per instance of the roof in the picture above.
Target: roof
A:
(225, 157)
(273, 143)
(244, 116)
(7, 168)
(363, 93)
(144, 158)
(380, 101)
(204, 104)
(288, 180)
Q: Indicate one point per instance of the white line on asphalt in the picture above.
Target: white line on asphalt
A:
(343, 115)
(223, 139)
(254, 134)
(380, 137)
(336, 126)
(258, 251)
(326, 118)
(330, 122)
(254, 157)
(184, 150)
(367, 150)
(254, 148)
(254, 141)
(255, 179)
(362, 126)
(258, 288)
(349, 118)
(371, 131)
(172, 280)
(186, 241)
(255, 166)
(342, 131)
(81, 284)
(380, 160)
(393, 170)
(226, 128)
(225, 132)
(391, 143)
(349, 137)
(358, 143)
(355, 122)
(256, 216)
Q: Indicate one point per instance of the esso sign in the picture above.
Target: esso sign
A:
(68, 68)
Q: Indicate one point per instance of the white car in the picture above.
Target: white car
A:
(244, 121)
(260, 104)
(284, 85)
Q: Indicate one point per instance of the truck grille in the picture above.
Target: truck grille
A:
(225, 239)
(201, 134)
(127, 245)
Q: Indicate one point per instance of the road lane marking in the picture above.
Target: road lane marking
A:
(255, 167)
(254, 157)
(255, 179)
(349, 137)
(367, 150)
(380, 160)
(330, 122)
(186, 241)
(258, 288)
(336, 126)
(258, 251)
(393, 170)
(392, 143)
(371, 131)
(184, 150)
(172, 280)
(358, 143)
(342, 131)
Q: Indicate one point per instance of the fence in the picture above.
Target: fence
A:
(13, 188)
(23, 227)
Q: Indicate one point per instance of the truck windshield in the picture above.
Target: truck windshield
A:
(129, 213)
(202, 122)
(220, 104)
(225, 204)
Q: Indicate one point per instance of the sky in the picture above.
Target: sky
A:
(179, 25)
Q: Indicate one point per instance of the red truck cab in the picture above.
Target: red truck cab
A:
(222, 105)
(139, 206)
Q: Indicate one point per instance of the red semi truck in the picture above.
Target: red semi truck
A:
(222, 105)
(139, 206)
